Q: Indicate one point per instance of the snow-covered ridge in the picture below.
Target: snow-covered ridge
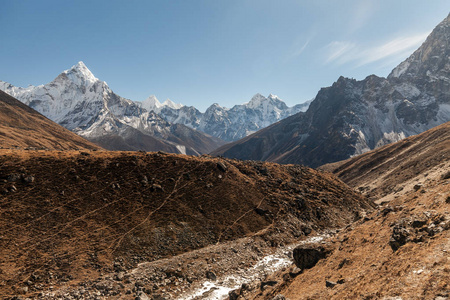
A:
(230, 124)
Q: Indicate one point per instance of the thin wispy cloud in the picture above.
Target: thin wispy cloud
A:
(394, 47)
(342, 52)
(296, 50)
(300, 51)
(339, 51)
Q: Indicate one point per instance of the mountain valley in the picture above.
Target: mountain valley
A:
(346, 196)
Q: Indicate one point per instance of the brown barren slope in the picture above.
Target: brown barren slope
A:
(392, 168)
(400, 251)
(22, 126)
(87, 214)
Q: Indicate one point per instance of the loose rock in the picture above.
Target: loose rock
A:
(13, 177)
(28, 179)
(330, 284)
(222, 167)
(142, 296)
(211, 276)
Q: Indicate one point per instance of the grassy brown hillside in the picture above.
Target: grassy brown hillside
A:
(393, 168)
(22, 126)
(400, 251)
(68, 217)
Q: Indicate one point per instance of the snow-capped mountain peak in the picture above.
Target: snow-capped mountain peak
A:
(80, 75)
(255, 101)
(171, 104)
(151, 103)
(74, 90)
(273, 97)
(272, 102)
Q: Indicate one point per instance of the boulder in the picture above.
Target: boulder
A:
(28, 179)
(400, 236)
(417, 187)
(234, 294)
(307, 256)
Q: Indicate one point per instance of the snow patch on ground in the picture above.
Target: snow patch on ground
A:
(181, 148)
(219, 289)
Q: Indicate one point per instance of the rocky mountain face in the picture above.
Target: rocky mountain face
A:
(228, 124)
(86, 105)
(351, 117)
(21, 127)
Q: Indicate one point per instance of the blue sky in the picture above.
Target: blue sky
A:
(200, 52)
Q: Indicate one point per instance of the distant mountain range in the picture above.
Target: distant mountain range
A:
(86, 105)
(351, 117)
(79, 101)
(229, 124)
